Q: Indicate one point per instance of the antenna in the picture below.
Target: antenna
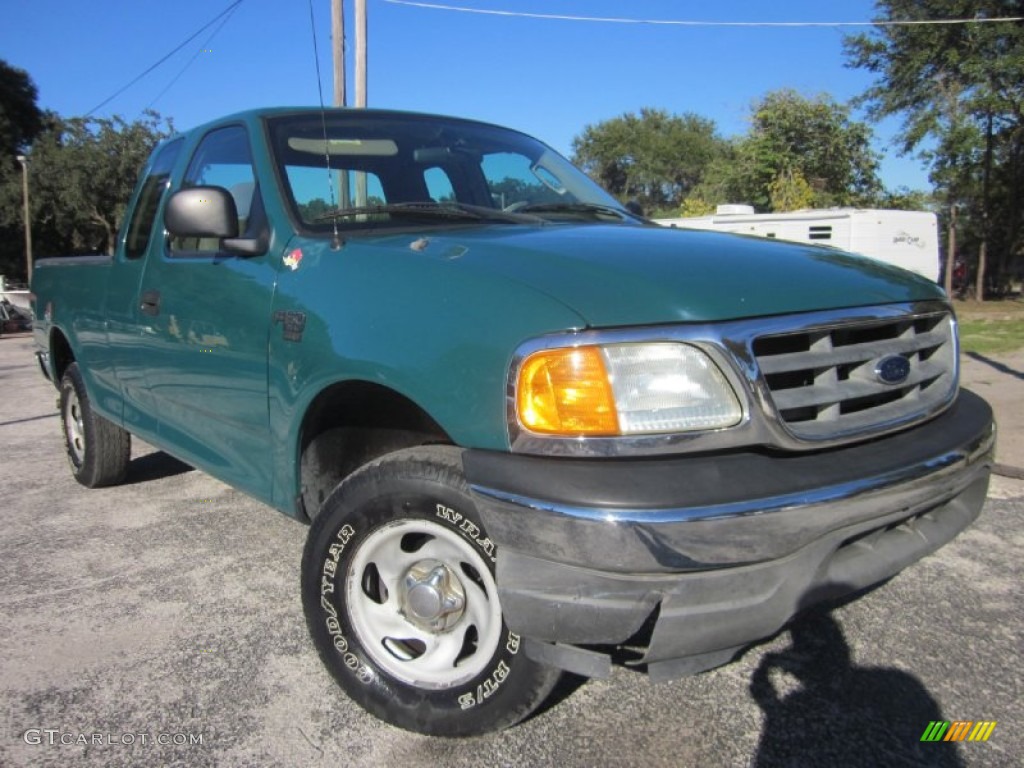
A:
(336, 240)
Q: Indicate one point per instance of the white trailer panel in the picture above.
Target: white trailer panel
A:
(907, 239)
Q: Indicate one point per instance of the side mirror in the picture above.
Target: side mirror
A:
(210, 212)
(202, 212)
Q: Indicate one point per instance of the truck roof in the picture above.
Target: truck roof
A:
(260, 113)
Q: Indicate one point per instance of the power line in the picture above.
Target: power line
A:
(188, 40)
(695, 23)
(203, 47)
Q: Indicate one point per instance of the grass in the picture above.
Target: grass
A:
(991, 328)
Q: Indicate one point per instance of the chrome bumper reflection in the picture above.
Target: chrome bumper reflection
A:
(732, 534)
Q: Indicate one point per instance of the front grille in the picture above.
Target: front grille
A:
(824, 381)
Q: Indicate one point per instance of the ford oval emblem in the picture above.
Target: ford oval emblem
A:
(893, 369)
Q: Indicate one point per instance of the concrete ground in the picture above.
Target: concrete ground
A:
(1001, 382)
(159, 623)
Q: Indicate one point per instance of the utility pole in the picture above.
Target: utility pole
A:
(338, 48)
(28, 217)
(338, 52)
(360, 53)
(361, 84)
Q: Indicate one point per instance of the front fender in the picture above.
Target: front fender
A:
(437, 331)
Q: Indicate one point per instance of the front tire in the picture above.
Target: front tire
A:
(98, 450)
(400, 597)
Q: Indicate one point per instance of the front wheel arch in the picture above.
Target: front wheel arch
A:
(61, 355)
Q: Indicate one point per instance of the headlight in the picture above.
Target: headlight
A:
(623, 389)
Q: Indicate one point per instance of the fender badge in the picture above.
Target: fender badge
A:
(293, 324)
(892, 370)
(293, 259)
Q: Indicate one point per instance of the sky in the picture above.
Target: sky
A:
(550, 78)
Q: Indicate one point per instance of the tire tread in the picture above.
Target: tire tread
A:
(440, 464)
(108, 447)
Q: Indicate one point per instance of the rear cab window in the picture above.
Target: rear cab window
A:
(154, 186)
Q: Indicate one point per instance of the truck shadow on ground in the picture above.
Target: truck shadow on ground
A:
(822, 709)
(155, 466)
(1001, 367)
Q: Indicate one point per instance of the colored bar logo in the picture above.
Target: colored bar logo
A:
(958, 730)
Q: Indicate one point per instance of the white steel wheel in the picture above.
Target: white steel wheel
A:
(424, 604)
(74, 428)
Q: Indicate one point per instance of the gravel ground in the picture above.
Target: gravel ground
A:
(159, 623)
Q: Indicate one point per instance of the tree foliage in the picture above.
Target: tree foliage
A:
(82, 172)
(653, 157)
(20, 122)
(793, 137)
(790, 191)
(20, 117)
(694, 205)
(960, 91)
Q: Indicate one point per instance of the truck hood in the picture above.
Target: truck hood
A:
(616, 275)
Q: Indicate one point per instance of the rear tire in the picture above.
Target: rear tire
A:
(400, 597)
(98, 450)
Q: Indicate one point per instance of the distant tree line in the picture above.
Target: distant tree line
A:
(799, 153)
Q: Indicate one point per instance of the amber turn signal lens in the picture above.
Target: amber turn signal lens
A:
(566, 392)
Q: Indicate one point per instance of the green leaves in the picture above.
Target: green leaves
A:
(960, 91)
(653, 157)
(792, 138)
(799, 153)
(20, 118)
(82, 173)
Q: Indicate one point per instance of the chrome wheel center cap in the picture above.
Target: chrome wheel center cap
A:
(432, 596)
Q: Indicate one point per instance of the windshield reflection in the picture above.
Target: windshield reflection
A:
(375, 161)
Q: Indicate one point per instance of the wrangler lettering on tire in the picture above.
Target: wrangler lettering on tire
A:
(401, 600)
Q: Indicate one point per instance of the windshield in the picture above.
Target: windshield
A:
(380, 163)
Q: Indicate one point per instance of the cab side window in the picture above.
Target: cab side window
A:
(222, 159)
(140, 228)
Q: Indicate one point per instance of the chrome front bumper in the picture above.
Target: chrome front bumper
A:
(710, 553)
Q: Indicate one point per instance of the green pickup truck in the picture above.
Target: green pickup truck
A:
(532, 431)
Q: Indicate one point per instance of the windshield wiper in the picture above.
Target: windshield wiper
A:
(494, 214)
(442, 210)
(449, 210)
(591, 208)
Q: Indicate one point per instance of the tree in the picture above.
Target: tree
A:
(789, 191)
(20, 117)
(960, 91)
(906, 199)
(20, 122)
(83, 172)
(813, 139)
(694, 205)
(654, 157)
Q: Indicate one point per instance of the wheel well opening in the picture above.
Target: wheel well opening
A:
(350, 424)
(61, 355)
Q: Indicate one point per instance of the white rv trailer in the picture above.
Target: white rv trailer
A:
(908, 239)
